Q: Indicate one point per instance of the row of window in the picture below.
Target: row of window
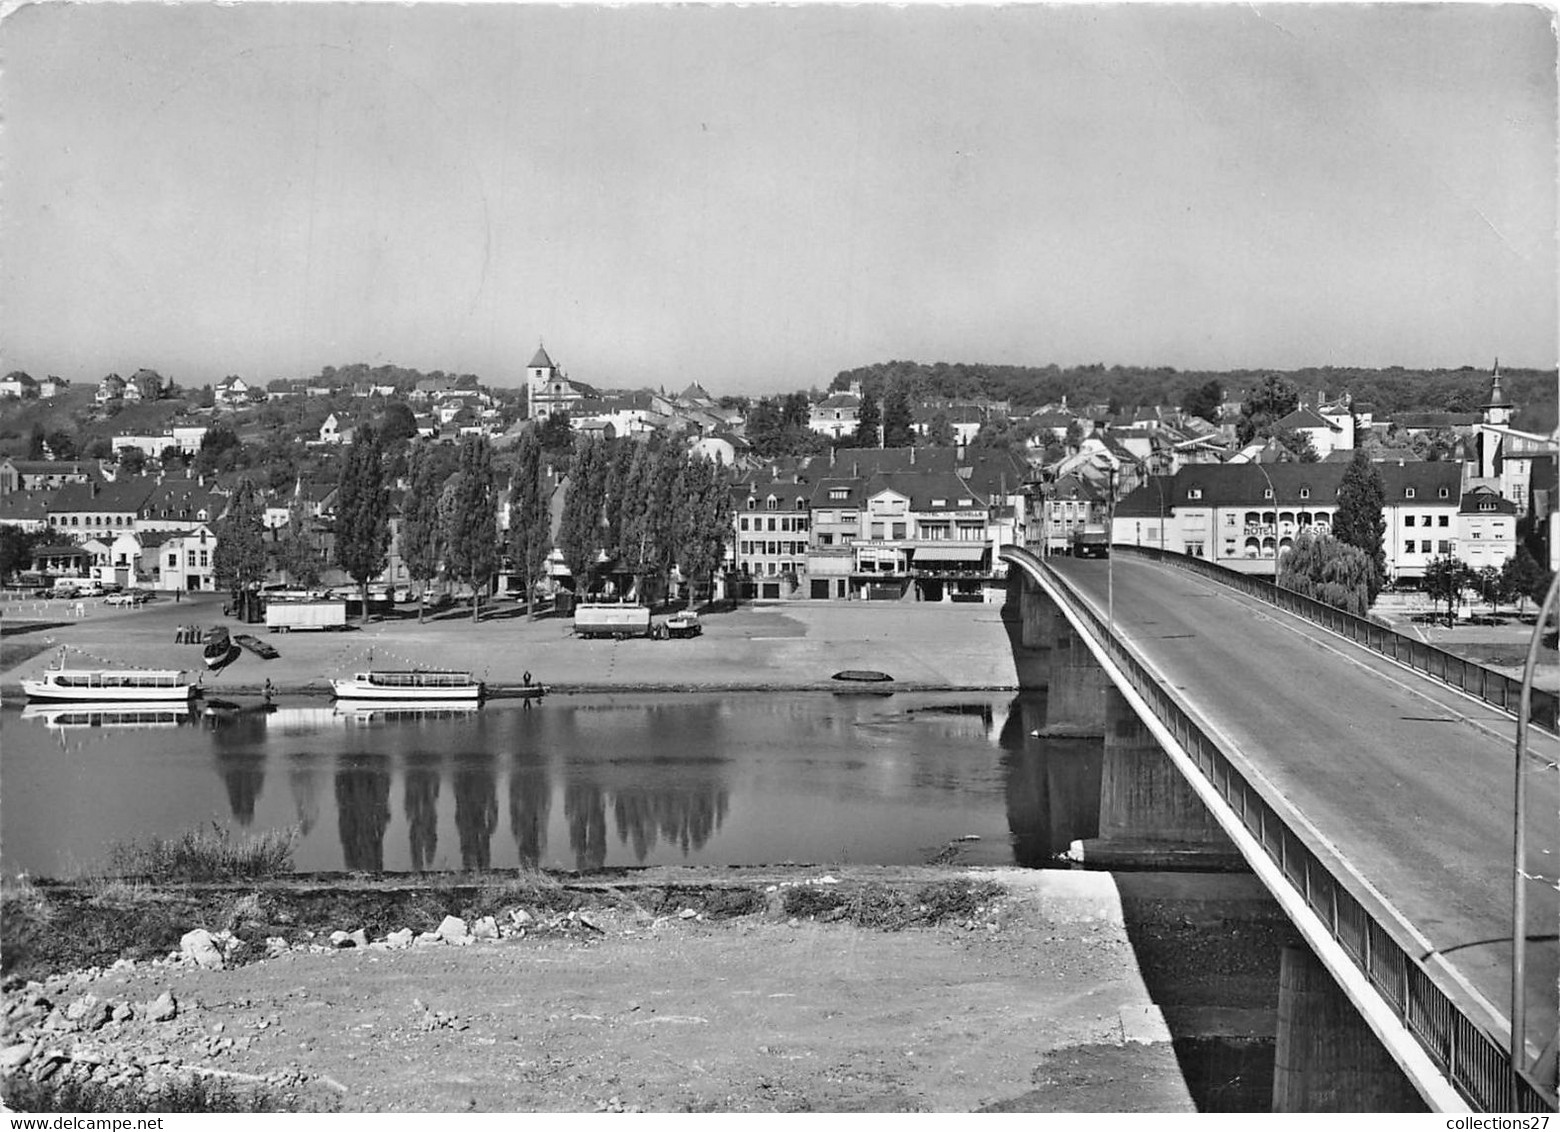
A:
(749, 548)
(1424, 520)
(1305, 493)
(173, 559)
(786, 524)
(1443, 546)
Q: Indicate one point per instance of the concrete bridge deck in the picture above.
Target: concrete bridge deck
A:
(1406, 780)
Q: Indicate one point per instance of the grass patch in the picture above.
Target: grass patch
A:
(204, 855)
(197, 1093)
(888, 908)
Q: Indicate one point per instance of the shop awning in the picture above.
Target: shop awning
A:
(925, 554)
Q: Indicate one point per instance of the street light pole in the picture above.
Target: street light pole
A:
(1519, 875)
(1273, 492)
(1110, 557)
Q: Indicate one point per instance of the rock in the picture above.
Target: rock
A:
(123, 1012)
(200, 946)
(402, 938)
(452, 929)
(342, 939)
(163, 1008)
(429, 937)
(485, 928)
(828, 880)
(519, 917)
(687, 914)
(14, 1057)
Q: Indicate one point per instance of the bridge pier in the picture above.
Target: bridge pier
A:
(1028, 614)
(1149, 813)
(1075, 693)
(1326, 1058)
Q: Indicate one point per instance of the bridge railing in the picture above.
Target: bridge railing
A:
(1476, 1063)
(1466, 675)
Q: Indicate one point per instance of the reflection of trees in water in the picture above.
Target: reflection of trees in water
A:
(585, 809)
(476, 814)
(303, 779)
(362, 814)
(1052, 786)
(530, 800)
(239, 745)
(686, 818)
(421, 795)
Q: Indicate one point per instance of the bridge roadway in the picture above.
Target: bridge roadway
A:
(1407, 780)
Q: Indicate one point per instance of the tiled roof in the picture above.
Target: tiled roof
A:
(1305, 418)
(1478, 500)
(540, 360)
(123, 496)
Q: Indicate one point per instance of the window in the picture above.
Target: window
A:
(825, 540)
(1424, 521)
(1444, 492)
(1408, 547)
(1194, 493)
(771, 524)
(742, 523)
(1444, 546)
(839, 493)
(966, 503)
(1424, 546)
(771, 503)
(1229, 518)
(173, 560)
(1305, 493)
(801, 504)
(939, 503)
(1444, 521)
(1408, 520)
(1252, 518)
(1408, 493)
(204, 560)
(752, 503)
(1267, 493)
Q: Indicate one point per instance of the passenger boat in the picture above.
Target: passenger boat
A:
(119, 715)
(99, 685)
(415, 684)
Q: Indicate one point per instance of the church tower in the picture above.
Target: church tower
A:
(538, 376)
(1497, 415)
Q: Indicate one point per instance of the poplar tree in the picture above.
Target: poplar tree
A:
(471, 520)
(1360, 521)
(239, 561)
(363, 512)
(580, 536)
(422, 542)
(867, 423)
(530, 515)
(898, 418)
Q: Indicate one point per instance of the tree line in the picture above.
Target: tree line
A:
(640, 511)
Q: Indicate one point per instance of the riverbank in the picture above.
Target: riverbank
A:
(908, 989)
(794, 645)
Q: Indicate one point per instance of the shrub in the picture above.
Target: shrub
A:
(204, 855)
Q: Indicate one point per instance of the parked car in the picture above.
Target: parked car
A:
(128, 597)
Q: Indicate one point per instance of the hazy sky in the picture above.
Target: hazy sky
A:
(757, 198)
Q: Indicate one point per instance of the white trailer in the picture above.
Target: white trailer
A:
(285, 616)
(609, 619)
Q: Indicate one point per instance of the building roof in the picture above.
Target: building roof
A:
(1483, 499)
(540, 360)
(839, 401)
(1235, 485)
(1435, 420)
(123, 496)
(1305, 418)
(927, 491)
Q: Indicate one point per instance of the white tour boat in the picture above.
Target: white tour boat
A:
(102, 685)
(418, 684)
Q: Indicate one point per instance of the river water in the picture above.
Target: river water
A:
(572, 782)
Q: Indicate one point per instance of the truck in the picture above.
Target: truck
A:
(1091, 541)
(611, 619)
(285, 616)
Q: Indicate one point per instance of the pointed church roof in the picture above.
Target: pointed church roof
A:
(1497, 397)
(541, 360)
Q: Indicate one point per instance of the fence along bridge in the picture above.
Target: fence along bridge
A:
(1365, 777)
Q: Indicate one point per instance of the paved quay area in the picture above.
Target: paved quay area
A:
(783, 645)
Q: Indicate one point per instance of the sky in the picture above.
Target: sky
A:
(756, 198)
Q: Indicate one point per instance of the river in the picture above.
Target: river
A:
(573, 782)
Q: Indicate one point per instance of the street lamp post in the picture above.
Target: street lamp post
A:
(1110, 557)
(1272, 492)
(1520, 878)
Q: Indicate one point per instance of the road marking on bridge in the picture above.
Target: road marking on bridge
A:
(1491, 730)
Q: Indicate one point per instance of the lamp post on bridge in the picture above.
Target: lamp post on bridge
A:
(1110, 557)
(1273, 492)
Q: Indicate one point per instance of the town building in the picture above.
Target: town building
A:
(836, 415)
(548, 389)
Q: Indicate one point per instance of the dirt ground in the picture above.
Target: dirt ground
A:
(1035, 1003)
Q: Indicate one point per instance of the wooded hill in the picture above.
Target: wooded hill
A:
(1384, 391)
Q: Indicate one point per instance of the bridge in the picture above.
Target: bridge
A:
(1365, 777)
